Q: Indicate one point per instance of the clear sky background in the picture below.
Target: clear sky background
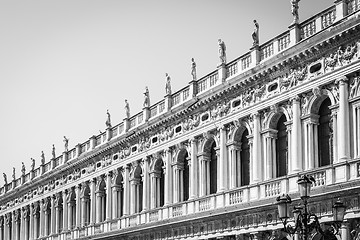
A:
(64, 63)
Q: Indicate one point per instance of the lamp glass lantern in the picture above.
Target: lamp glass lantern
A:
(339, 211)
(304, 186)
(283, 206)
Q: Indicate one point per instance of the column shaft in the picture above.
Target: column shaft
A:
(108, 197)
(343, 122)
(223, 163)
(193, 169)
(296, 153)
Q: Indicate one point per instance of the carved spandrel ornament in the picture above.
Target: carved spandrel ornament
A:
(305, 99)
(354, 87)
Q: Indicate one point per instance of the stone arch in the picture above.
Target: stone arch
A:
(119, 179)
(316, 101)
(85, 190)
(273, 118)
(238, 132)
(208, 143)
(136, 174)
(180, 155)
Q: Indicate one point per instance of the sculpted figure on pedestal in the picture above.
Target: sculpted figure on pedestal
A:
(108, 120)
(222, 51)
(193, 69)
(127, 109)
(5, 179)
(146, 98)
(23, 170)
(42, 158)
(53, 151)
(295, 10)
(168, 85)
(66, 144)
(255, 34)
(13, 174)
(32, 164)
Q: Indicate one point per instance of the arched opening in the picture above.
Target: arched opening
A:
(181, 175)
(281, 147)
(245, 159)
(118, 196)
(85, 208)
(158, 183)
(324, 133)
(213, 169)
(186, 179)
(137, 190)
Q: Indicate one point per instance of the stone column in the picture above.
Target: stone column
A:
(77, 207)
(42, 218)
(65, 211)
(84, 220)
(92, 202)
(310, 140)
(343, 121)
(70, 214)
(31, 225)
(115, 201)
(296, 148)
(153, 190)
(126, 194)
(335, 136)
(345, 231)
(146, 186)
(168, 177)
(15, 226)
(193, 169)
(58, 207)
(53, 216)
(99, 196)
(36, 224)
(223, 162)
(108, 197)
(133, 198)
(256, 164)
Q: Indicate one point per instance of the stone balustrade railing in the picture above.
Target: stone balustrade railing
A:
(242, 195)
(243, 64)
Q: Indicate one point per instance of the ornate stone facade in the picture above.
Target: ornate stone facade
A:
(208, 161)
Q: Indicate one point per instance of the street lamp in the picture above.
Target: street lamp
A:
(306, 222)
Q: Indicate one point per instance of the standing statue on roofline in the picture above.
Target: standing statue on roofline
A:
(295, 10)
(108, 120)
(66, 144)
(23, 170)
(168, 84)
(42, 158)
(53, 152)
(5, 179)
(255, 34)
(13, 174)
(193, 69)
(127, 109)
(32, 164)
(146, 98)
(222, 51)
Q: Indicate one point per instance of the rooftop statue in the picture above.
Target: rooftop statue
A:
(42, 158)
(108, 120)
(13, 174)
(222, 51)
(295, 10)
(5, 179)
(32, 164)
(53, 151)
(193, 69)
(127, 109)
(23, 170)
(66, 144)
(146, 98)
(255, 34)
(168, 84)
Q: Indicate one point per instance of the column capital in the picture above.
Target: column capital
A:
(342, 80)
(295, 99)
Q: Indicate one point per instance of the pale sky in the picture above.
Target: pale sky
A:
(64, 63)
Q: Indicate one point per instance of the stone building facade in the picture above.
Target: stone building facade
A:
(209, 160)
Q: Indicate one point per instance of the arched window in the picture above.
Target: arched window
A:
(118, 195)
(136, 185)
(213, 169)
(324, 133)
(157, 184)
(245, 159)
(181, 173)
(281, 148)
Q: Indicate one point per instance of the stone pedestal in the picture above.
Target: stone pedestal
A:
(146, 113)
(222, 71)
(168, 102)
(92, 142)
(255, 55)
(193, 88)
(78, 149)
(294, 30)
(126, 124)
(65, 157)
(108, 134)
(341, 9)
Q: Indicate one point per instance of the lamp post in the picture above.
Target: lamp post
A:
(306, 222)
